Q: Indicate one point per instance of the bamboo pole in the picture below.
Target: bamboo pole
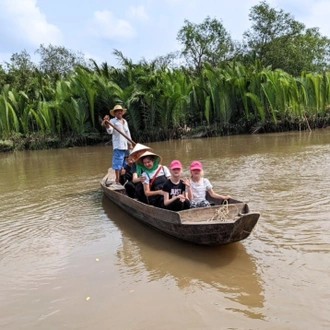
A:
(119, 131)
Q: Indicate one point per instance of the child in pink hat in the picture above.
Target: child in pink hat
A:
(175, 189)
(199, 186)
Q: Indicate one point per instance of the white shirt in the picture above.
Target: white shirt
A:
(199, 189)
(118, 141)
(162, 171)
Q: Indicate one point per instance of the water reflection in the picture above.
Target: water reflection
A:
(229, 269)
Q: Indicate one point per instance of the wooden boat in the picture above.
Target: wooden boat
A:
(215, 225)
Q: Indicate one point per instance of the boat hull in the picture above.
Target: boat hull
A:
(199, 226)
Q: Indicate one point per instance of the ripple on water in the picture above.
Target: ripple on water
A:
(289, 189)
(45, 225)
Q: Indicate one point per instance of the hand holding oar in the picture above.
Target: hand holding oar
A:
(106, 121)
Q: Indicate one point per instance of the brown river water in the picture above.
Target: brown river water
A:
(71, 259)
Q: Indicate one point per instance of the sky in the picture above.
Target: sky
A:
(141, 29)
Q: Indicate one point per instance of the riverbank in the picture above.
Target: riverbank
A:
(39, 141)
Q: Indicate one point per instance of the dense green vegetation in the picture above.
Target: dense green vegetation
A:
(275, 79)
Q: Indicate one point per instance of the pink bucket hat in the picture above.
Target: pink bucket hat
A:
(175, 164)
(196, 165)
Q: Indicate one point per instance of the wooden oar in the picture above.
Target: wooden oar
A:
(120, 132)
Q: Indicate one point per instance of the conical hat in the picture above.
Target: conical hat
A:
(138, 150)
(148, 153)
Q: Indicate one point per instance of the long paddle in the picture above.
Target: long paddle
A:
(120, 132)
(125, 136)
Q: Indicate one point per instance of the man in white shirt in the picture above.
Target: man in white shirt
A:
(119, 142)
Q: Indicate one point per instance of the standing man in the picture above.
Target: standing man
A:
(119, 142)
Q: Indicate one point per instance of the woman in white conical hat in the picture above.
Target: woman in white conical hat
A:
(155, 175)
(135, 186)
(138, 150)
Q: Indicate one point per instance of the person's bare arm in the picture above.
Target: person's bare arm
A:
(149, 192)
(137, 179)
(215, 195)
(188, 193)
(168, 200)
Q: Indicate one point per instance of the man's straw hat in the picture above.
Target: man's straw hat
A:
(117, 107)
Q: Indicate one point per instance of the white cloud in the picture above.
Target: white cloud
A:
(106, 25)
(25, 23)
(138, 12)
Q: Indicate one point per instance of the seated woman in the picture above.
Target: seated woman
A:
(155, 175)
(199, 186)
(128, 176)
(175, 194)
(137, 178)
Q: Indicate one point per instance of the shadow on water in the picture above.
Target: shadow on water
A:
(229, 268)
